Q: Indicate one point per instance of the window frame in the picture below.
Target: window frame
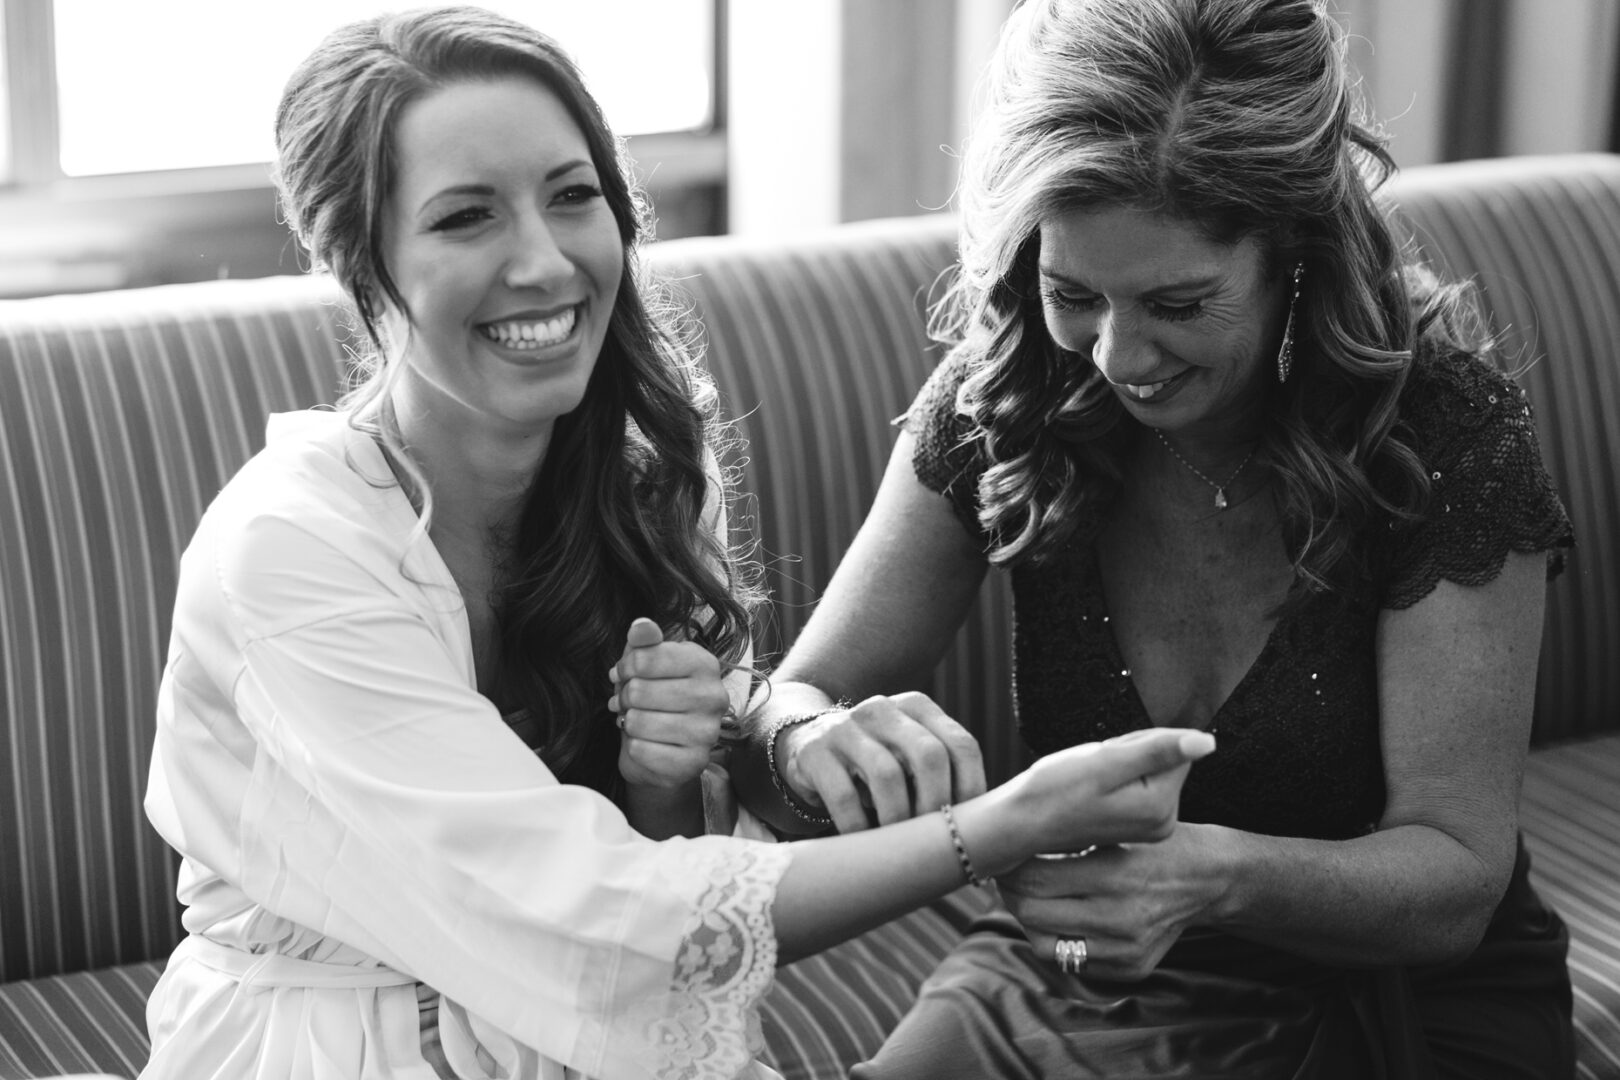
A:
(48, 218)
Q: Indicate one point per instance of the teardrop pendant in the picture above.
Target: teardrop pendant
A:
(1220, 498)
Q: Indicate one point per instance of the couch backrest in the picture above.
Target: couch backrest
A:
(1541, 237)
(122, 414)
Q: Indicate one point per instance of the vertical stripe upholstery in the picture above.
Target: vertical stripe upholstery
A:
(1542, 239)
(120, 417)
(122, 414)
(1571, 818)
(817, 347)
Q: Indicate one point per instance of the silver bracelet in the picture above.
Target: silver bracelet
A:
(803, 810)
(972, 875)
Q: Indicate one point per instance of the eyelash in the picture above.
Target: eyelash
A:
(573, 195)
(1167, 312)
(461, 219)
(579, 193)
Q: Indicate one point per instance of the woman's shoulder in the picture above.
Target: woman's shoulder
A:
(946, 455)
(1450, 393)
(317, 499)
(313, 463)
(1473, 429)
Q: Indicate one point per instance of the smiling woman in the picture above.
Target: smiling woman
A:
(1175, 277)
(453, 666)
(507, 260)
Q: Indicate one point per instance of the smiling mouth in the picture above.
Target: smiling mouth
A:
(1148, 391)
(524, 334)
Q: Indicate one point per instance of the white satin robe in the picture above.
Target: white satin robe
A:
(355, 819)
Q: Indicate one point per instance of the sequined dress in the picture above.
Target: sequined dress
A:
(1298, 756)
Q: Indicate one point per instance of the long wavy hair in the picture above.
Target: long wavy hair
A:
(1240, 118)
(613, 524)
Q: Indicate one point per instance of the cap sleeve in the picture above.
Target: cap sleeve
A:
(1491, 493)
(946, 456)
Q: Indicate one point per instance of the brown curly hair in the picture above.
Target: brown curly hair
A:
(1239, 117)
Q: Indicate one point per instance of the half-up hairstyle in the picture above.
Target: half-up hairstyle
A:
(614, 522)
(1238, 117)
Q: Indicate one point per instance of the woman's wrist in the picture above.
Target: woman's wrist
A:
(659, 813)
(755, 762)
(1225, 866)
(776, 760)
(994, 830)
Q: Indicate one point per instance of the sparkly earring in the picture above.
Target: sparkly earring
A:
(1285, 355)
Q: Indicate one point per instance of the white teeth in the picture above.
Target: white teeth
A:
(531, 335)
(1143, 392)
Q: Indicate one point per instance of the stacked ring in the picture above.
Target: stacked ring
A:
(1071, 955)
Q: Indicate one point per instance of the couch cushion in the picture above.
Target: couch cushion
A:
(85, 1022)
(1571, 816)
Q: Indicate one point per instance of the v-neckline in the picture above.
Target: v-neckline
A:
(1116, 655)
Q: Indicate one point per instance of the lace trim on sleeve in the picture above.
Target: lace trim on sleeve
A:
(944, 459)
(1490, 495)
(708, 1028)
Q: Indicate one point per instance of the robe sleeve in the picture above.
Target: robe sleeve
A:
(390, 807)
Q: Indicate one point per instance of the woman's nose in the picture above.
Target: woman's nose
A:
(536, 259)
(1121, 351)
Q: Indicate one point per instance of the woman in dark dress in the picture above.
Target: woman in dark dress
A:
(1252, 470)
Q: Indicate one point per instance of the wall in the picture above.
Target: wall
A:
(849, 109)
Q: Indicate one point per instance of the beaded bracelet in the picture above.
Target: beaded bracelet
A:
(794, 803)
(961, 848)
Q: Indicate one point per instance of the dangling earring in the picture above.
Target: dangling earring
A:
(1285, 355)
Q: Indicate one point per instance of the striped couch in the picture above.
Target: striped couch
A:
(121, 414)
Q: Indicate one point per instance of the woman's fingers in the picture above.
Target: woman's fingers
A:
(1116, 791)
(666, 660)
(662, 764)
(900, 756)
(839, 796)
(643, 633)
(1139, 756)
(946, 765)
(671, 728)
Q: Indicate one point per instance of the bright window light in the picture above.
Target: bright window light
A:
(175, 84)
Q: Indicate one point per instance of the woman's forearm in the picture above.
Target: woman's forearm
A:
(1125, 789)
(1410, 894)
(892, 870)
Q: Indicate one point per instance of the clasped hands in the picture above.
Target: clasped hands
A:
(672, 703)
(891, 758)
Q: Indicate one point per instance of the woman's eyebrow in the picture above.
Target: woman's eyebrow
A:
(1197, 284)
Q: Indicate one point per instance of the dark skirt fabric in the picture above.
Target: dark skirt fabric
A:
(1220, 1006)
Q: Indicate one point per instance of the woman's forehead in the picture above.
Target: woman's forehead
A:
(470, 132)
(1130, 250)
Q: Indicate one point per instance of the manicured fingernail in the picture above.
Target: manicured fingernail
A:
(1196, 744)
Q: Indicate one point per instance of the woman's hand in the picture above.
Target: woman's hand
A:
(901, 756)
(1128, 902)
(671, 704)
(1122, 790)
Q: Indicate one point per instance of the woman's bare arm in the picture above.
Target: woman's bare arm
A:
(893, 606)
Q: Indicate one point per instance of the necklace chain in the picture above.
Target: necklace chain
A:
(1221, 501)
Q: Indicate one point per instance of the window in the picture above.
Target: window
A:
(134, 134)
(177, 84)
